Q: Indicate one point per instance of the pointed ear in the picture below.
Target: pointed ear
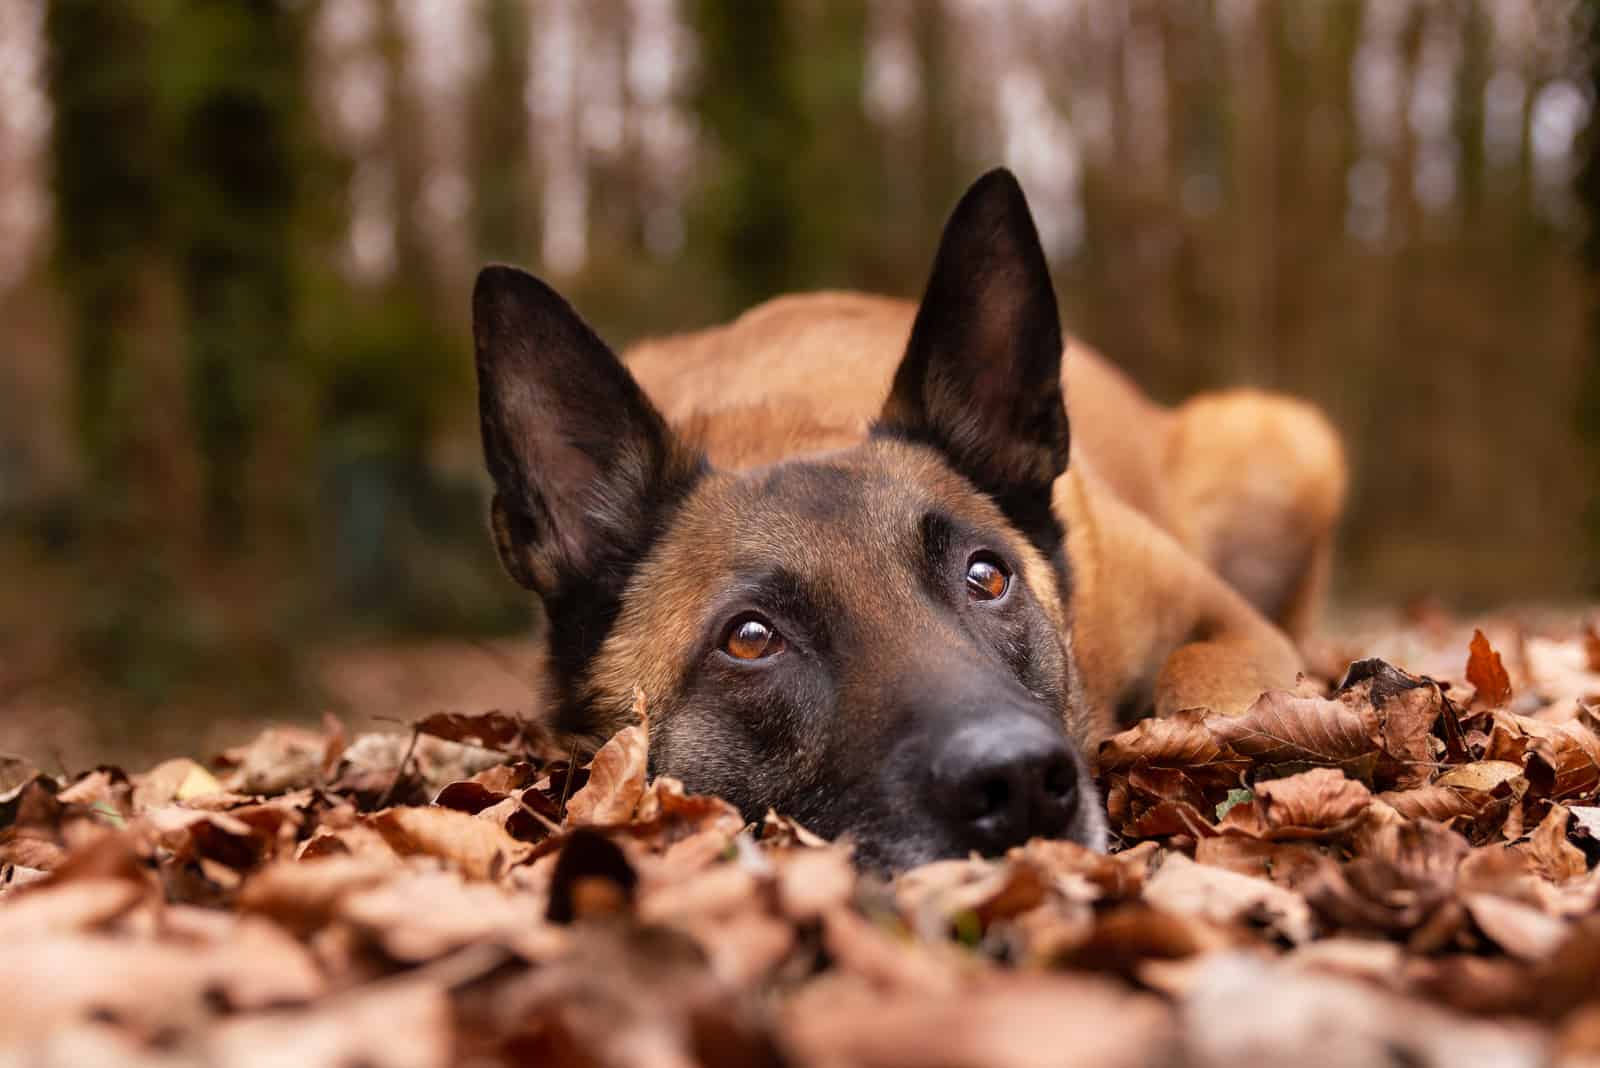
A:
(583, 464)
(981, 377)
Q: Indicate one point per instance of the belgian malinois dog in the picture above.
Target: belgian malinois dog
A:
(839, 545)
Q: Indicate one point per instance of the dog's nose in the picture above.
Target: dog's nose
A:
(1005, 782)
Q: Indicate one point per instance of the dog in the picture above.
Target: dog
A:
(864, 568)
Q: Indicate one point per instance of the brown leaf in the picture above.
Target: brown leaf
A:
(304, 896)
(616, 779)
(1289, 864)
(1280, 730)
(1016, 1021)
(83, 905)
(334, 742)
(1180, 885)
(478, 848)
(421, 916)
(1402, 882)
(1521, 931)
(405, 1025)
(1471, 792)
(951, 891)
(172, 780)
(812, 882)
(50, 983)
(1564, 759)
(1181, 741)
(1252, 1012)
(1313, 804)
(1167, 818)
(489, 730)
(1552, 854)
(783, 832)
(1591, 646)
(278, 760)
(1486, 672)
(1407, 706)
(15, 773)
(592, 879)
(668, 812)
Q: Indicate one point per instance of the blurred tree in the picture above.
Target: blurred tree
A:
(504, 208)
(110, 209)
(1588, 403)
(232, 83)
(751, 106)
(791, 202)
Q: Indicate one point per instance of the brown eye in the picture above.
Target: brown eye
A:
(752, 638)
(987, 579)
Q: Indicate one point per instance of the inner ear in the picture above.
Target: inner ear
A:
(584, 466)
(981, 376)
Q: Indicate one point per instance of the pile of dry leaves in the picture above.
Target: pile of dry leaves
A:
(1395, 870)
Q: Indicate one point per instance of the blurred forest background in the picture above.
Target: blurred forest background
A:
(237, 239)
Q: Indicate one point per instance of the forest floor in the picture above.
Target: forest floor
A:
(1393, 864)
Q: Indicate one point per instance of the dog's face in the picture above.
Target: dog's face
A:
(874, 640)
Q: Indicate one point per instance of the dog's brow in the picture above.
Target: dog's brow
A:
(786, 591)
(936, 531)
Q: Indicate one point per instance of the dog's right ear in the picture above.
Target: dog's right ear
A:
(582, 463)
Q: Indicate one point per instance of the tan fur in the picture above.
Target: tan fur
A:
(724, 524)
(1157, 502)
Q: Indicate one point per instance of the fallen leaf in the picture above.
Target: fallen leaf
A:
(172, 780)
(503, 731)
(1251, 1013)
(1320, 803)
(1182, 741)
(1180, 885)
(616, 779)
(1407, 707)
(1289, 864)
(399, 1025)
(1471, 792)
(478, 848)
(1523, 932)
(1281, 730)
(1022, 1021)
(592, 879)
(1486, 672)
(1556, 858)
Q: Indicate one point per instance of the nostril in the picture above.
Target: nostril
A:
(994, 795)
(1060, 780)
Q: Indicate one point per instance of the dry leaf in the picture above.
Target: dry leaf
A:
(1319, 803)
(1521, 931)
(489, 730)
(477, 848)
(1486, 673)
(1180, 885)
(1182, 741)
(1282, 730)
(1556, 858)
(616, 779)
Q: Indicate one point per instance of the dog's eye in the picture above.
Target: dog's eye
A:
(987, 578)
(752, 638)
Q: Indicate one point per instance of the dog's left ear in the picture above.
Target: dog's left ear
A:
(981, 377)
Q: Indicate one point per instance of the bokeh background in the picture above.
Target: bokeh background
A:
(239, 471)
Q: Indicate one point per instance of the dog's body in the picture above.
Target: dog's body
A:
(838, 546)
(1249, 484)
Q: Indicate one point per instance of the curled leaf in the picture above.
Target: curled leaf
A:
(1280, 730)
(1486, 672)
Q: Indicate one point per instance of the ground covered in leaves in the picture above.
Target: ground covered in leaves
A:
(1393, 867)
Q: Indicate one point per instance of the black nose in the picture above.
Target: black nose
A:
(1002, 782)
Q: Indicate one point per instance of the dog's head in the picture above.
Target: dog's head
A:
(874, 641)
